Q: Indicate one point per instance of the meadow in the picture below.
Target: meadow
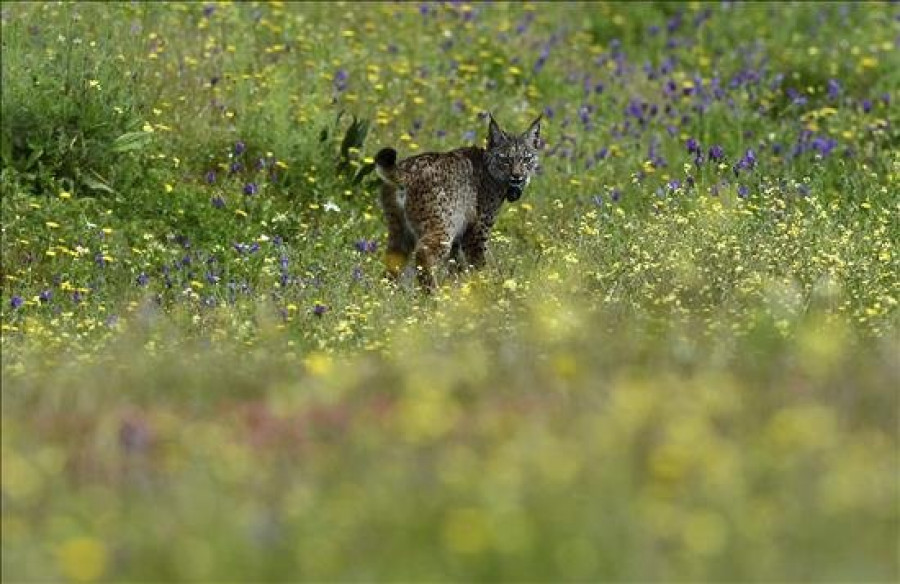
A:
(680, 363)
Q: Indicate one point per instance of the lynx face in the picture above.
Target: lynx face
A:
(512, 159)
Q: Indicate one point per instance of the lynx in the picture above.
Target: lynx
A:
(438, 204)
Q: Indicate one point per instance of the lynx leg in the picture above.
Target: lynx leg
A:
(400, 241)
(456, 261)
(431, 249)
(474, 245)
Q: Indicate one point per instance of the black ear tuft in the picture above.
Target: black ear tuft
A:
(496, 136)
(533, 133)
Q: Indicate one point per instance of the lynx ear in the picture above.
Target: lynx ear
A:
(496, 136)
(533, 133)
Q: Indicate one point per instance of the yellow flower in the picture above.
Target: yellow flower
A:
(82, 559)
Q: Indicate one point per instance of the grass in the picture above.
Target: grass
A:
(673, 368)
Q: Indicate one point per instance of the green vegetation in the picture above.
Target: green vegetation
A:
(680, 363)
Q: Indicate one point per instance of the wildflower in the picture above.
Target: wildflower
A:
(365, 246)
(208, 10)
(716, 153)
(45, 296)
(823, 145)
(211, 177)
(16, 302)
(218, 202)
(834, 89)
(747, 162)
(76, 297)
(340, 80)
(236, 167)
(743, 191)
(319, 309)
(693, 146)
(239, 148)
(250, 189)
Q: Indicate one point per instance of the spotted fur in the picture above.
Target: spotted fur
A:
(439, 204)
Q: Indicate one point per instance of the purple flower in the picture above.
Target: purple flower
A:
(251, 189)
(693, 147)
(365, 246)
(218, 202)
(142, 279)
(340, 80)
(748, 161)
(823, 145)
(16, 302)
(208, 10)
(211, 177)
(236, 167)
(834, 89)
(239, 148)
(716, 153)
(45, 296)
(76, 297)
(743, 191)
(615, 195)
(468, 136)
(866, 105)
(319, 309)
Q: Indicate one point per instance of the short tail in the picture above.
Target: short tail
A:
(386, 165)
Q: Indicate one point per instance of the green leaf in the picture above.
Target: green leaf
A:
(96, 182)
(131, 141)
